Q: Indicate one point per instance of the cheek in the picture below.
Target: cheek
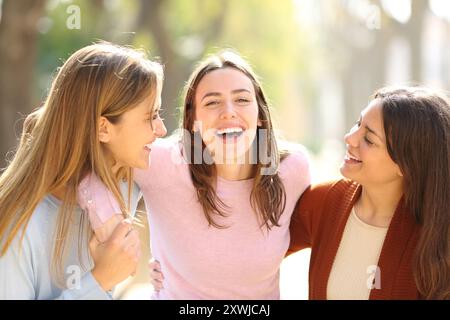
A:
(205, 119)
(252, 114)
(379, 162)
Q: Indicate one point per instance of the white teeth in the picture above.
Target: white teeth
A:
(229, 130)
(352, 158)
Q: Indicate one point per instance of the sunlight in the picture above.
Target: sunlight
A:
(400, 10)
(441, 8)
(308, 12)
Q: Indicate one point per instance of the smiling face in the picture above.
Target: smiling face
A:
(129, 140)
(367, 160)
(226, 114)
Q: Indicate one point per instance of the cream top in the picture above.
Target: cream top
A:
(355, 272)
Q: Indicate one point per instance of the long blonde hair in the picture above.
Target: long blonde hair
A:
(60, 143)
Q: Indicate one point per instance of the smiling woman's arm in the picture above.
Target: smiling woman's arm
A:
(306, 217)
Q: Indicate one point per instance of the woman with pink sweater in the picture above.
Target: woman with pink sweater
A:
(220, 199)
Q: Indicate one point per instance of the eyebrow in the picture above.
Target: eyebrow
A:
(153, 111)
(215, 94)
(371, 130)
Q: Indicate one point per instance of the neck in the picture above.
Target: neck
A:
(377, 204)
(235, 172)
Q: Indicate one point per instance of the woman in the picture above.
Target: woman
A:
(102, 96)
(220, 200)
(384, 233)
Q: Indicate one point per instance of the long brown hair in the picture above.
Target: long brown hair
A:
(417, 127)
(60, 143)
(268, 196)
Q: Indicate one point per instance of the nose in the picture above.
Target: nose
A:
(351, 138)
(228, 110)
(160, 129)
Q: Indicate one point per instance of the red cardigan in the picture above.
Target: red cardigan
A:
(318, 223)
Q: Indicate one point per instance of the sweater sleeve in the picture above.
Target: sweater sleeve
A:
(17, 272)
(306, 217)
(97, 200)
(23, 270)
(101, 206)
(88, 289)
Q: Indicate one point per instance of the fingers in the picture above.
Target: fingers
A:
(94, 243)
(157, 285)
(154, 264)
(132, 239)
(155, 270)
(122, 229)
(156, 276)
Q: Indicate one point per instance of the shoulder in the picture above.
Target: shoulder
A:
(167, 147)
(166, 164)
(295, 165)
(43, 219)
(329, 192)
(294, 154)
(38, 233)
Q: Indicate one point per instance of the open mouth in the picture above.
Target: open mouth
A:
(351, 159)
(229, 134)
(147, 147)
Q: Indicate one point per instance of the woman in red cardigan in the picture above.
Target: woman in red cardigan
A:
(384, 232)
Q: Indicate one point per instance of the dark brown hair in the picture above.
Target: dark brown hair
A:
(268, 196)
(417, 127)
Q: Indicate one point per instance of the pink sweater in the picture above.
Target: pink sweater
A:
(203, 262)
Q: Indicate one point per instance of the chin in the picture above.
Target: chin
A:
(142, 165)
(345, 172)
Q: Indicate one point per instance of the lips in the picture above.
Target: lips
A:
(229, 130)
(230, 133)
(147, 147)
(349, 158)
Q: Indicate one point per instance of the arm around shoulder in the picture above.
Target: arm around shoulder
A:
(306, 216)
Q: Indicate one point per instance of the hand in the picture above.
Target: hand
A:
(118, 257)
(156, 276)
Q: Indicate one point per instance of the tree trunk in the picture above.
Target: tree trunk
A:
(414, 34)
(18, 48)
(176, 67)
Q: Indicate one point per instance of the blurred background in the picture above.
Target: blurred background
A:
(319, 61)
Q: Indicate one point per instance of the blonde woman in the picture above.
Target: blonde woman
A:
(101, 114)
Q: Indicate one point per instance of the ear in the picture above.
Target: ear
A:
(104, 130)
(399, 172)
(259, 123)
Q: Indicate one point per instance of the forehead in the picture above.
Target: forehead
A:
(223, 81)
(148, 104)
(373, 113)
